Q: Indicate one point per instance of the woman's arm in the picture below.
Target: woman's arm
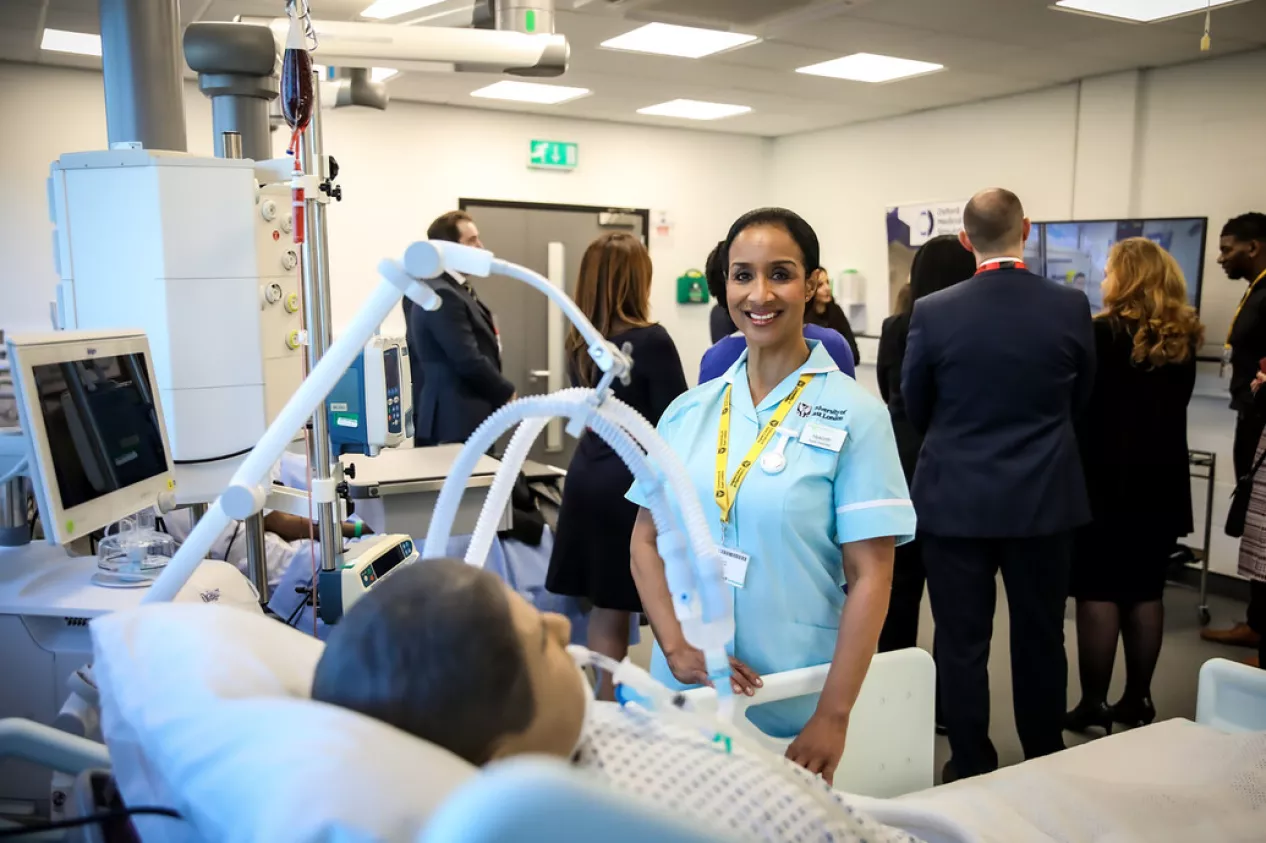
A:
(652, 588)
(868, 572)
(684, 659)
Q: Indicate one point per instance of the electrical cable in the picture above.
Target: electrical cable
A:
(94, 819)
(220, 458)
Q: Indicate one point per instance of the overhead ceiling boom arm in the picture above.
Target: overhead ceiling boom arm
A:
(347, 44)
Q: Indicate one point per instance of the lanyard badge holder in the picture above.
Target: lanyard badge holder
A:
(736, 562)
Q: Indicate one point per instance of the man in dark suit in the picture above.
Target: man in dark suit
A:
(996, 369)
(1242, 254)
(454, 352)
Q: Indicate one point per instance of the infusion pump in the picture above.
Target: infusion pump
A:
(199, 254)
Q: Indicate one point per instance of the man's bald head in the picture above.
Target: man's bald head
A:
(994, 224)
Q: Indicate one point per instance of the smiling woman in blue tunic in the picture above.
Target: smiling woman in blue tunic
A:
(799, 472)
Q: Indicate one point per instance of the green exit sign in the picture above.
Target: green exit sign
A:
(553, 155)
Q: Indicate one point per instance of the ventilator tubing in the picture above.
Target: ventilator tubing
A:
(599, 349)
(502, 488)
(693, 589)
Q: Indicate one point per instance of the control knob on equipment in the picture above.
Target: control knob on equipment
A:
(268, 209)
(292, 303)
(272, 293)
(289, 261)
(287, 223)
(293, 340)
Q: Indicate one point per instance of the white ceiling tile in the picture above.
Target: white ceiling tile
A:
(989, 48)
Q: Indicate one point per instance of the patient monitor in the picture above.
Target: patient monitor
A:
(96, 442)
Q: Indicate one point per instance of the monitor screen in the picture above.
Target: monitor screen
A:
(102, 425)
(1076, 253)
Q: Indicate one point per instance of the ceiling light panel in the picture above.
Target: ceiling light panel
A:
(61, 41)
(868, 67)
(1141, 11)
(694, 110)
(532, 92)
(383, 9)
(687, 42)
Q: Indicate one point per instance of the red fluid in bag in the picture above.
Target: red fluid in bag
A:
(296, 87)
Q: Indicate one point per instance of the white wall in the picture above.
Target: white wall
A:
(400, 169)
(842, 180)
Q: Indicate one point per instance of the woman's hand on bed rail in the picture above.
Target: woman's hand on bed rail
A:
(819, 746)
(690, 668)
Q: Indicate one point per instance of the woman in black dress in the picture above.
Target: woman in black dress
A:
(823, 311)
(595, 522)
(939, 264)
(1133, 442)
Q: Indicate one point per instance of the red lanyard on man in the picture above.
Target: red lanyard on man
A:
(995, 264)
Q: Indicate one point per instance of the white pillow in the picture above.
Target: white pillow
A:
(205, 709)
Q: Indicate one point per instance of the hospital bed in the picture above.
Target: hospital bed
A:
(205, 710)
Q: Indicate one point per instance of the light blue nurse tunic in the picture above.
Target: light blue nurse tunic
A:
(791, 523)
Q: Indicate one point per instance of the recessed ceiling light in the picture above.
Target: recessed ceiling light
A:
(61, 41)
(694, 110)
(1141, 11)
(530, 92)
(688, 42)
(381, 9)
(382, 74)
(868, 67)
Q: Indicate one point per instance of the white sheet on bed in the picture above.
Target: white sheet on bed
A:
(1173, 781)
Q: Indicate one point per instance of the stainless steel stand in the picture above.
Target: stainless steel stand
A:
(316, 301)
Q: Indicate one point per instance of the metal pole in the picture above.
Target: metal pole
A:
(196, 511)
(257, 556)
(230, 145)
(316, 300)
(140, 63)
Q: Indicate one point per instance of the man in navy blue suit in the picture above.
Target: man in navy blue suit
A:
(996, 369)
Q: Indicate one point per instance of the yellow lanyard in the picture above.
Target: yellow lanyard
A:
(726, 493)
(1240, 307)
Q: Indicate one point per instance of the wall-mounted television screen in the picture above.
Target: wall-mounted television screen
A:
(1076, 253)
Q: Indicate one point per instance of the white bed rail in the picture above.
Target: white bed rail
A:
(891, 732)
(1231, 697)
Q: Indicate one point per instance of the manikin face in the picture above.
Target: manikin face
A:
(1237, 257)
(767, 289)
(468, 234)
(558, 687)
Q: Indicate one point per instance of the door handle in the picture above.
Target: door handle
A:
(539, 374)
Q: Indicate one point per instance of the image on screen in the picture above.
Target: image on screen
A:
(1076, 253)
(102, 425)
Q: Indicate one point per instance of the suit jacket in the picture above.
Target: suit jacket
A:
(458, 381)
(1248, 347)
(996, 370)
(1134, 438)
(892, 355)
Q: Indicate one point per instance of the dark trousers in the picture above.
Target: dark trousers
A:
(1257, 617)
(1248, 432)
(901, 627)
(961, 587)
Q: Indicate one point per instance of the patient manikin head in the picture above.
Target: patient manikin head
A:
(447, 652)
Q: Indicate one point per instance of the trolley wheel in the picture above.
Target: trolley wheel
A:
(1204, 615)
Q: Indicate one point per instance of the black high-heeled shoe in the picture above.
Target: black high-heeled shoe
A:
(1086, 715)
(1134, 713)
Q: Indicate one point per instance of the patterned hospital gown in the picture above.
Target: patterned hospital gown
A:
(737, 794)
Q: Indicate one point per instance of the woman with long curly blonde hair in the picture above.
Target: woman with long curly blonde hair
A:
(1134, 449)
